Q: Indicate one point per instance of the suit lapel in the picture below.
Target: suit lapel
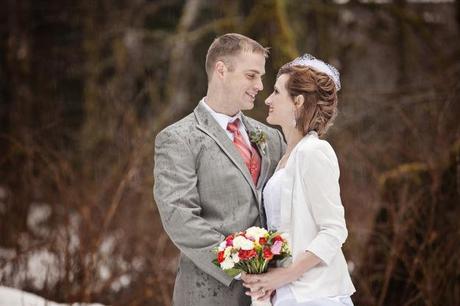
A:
(209, 125)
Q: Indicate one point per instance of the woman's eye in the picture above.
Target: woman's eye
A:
(251, 76)
(276, 92)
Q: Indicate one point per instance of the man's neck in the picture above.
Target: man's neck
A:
(220, 105)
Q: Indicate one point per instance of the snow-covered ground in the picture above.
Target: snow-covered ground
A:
(16, 297)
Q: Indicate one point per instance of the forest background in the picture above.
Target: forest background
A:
(86, 85)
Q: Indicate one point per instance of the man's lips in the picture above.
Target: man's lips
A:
(253, 96)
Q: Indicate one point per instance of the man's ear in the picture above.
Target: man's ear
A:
(220, 68)
(298, 101)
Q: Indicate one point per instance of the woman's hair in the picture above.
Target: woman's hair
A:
(320, 98)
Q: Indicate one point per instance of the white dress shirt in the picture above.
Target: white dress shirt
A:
(223, 120)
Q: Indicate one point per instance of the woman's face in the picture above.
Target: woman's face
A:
(281, 109)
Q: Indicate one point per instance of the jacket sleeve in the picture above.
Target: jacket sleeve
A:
(282, 144)
(176, 195)
(320, 178)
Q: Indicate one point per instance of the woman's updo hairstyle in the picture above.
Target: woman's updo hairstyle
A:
(320, 97)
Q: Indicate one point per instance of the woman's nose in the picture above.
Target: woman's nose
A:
(267, 101)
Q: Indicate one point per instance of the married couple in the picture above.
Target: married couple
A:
(218, 171)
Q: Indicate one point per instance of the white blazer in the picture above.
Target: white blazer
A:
(312, 215)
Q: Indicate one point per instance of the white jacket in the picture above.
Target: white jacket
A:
(313, 217)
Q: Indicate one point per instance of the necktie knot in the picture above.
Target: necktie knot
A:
(233, 127)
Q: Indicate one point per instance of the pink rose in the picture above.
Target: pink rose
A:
(276, 247)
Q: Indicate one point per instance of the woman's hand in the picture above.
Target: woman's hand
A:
(262, 285)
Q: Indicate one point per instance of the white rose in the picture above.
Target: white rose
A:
(222, 246)
(256, 232)
(227, 263)
(236, 258)
(240, 242)
(227, 251)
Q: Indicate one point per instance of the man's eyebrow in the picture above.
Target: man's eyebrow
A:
(255, 71)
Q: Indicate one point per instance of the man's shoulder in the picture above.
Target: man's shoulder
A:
(181, 127)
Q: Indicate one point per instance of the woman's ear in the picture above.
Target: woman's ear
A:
(298, 101)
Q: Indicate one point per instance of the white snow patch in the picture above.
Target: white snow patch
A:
(38, 214)
(43, 268)
(16, 297)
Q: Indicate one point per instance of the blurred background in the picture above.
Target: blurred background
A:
(86, 85)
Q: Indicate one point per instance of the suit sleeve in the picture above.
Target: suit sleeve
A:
(320, 177)
(176, 195)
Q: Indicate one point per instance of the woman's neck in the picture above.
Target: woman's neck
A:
(293, 136)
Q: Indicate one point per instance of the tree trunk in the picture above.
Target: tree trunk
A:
(178, 93)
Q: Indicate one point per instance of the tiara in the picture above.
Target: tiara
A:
(308, 60)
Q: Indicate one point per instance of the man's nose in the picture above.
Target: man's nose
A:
(259, 85)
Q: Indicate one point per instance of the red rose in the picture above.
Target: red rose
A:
(268, 254)
(220, 256)
(252, 254)
(277, 238)
(246, 255)
(262, 241)
(242, 254)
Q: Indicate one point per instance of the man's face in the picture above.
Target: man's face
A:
(244, 81)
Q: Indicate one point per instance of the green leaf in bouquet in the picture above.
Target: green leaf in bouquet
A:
(233, 272)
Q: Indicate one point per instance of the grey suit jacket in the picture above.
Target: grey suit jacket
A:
(204, 192)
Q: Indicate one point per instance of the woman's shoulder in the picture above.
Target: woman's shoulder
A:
(316, 151)
(311, 144)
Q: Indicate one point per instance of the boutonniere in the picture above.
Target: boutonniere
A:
(259, 138)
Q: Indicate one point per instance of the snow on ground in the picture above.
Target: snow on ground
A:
(16, 297)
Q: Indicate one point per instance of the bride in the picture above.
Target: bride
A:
(302, 198)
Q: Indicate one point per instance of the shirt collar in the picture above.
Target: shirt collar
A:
(222, 119)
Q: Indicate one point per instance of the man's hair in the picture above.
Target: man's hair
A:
(228, 45)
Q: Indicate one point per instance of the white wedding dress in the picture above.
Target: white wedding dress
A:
(284, 295)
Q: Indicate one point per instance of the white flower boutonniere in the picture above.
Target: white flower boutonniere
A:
(259, 138)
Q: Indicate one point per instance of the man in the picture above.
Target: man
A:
(208, 174)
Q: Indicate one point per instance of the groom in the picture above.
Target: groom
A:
(209, 175)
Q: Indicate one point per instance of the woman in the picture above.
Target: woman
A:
(302, 198)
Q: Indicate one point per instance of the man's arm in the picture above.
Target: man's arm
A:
(178, 201)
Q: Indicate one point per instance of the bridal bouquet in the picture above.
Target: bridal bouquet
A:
(250, 251)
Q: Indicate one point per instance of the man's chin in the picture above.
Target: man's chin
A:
(248, 106)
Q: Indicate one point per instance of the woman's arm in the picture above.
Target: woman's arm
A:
(278, 277)
(320, 180)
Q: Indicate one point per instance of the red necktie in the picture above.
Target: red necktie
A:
(249, 154)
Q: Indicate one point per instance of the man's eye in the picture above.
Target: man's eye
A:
(276, 91)
(251, 76)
